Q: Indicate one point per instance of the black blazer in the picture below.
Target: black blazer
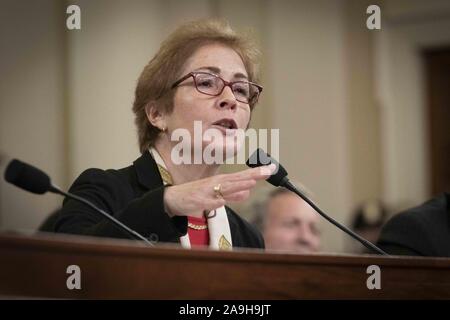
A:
(423, 230)
(134, 195)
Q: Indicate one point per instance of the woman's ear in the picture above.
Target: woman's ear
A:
(154, 116)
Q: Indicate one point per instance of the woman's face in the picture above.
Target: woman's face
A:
(191, 105)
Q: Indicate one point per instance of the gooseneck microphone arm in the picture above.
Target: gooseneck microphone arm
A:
(288, 185)
(280, 179)
(134, 234)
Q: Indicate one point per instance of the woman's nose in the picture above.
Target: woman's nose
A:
(227, 99)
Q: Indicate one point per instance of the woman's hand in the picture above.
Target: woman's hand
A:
(195, 197)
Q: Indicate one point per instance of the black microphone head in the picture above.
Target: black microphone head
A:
(27, 177)
(261, 158)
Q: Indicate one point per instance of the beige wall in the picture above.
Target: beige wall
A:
(307, 81)
(105, 58)
(31, 103)
(409, 28)
(331, 86)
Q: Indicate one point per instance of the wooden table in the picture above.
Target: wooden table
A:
(36, 266)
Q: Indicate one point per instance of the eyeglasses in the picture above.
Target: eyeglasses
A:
(213, 85)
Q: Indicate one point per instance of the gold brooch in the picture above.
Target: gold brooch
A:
(224, 244)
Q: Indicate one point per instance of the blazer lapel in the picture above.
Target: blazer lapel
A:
(235, 236)
(147, 171)
(148, 175)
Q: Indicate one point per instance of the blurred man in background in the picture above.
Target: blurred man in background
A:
(288, 223)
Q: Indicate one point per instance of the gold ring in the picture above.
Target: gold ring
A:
(217, 191)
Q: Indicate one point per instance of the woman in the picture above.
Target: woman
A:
(202, 72)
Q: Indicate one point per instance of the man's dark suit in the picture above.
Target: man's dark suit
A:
(423, 230)
(135, 197)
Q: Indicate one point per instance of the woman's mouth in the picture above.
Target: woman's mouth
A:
(226, 123)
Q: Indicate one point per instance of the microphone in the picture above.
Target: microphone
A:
(32, 179)
(280, 179)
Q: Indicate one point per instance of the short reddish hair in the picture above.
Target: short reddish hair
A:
(155, 81)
